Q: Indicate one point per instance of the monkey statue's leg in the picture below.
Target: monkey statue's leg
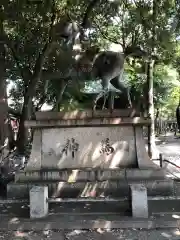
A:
(111, 100)
(129, 97)
(105, 85)
(105, 89)
(118, 84)
(105, 99)
(101, 94)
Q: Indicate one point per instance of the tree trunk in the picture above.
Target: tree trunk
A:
(151, 132)
(3, 95)
(11, 139)
(34, 78)
(152, 150)
(157, 114)
(22, 137)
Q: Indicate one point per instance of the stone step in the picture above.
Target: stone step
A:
(120, 207)
(23, 210)
(176, 188)
(106, 188)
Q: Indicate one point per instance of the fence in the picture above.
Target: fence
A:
(163, 126)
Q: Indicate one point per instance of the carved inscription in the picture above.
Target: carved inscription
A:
(106, 148)
(71, 146)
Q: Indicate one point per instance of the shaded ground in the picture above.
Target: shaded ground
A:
(53, 230)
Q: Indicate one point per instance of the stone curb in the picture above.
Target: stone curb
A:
(45, 224)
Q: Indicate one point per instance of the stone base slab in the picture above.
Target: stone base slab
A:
(88, 175)
(106, 188)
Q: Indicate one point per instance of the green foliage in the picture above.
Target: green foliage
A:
(169, 109)
(164, 82)
(125, 22)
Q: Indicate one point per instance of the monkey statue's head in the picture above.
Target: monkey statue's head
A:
(91, 52)
(135, 51)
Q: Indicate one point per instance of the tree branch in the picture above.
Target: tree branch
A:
(143, 21)
(88, 12)
(42, 56)
(104, 35)
(122, 28)
(86, 17)
(47, 47)
(47, 75)
(134, 33)
(10, 45)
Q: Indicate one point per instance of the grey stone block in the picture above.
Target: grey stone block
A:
(55, 176)
(145, 174)
(139, 201)
(38, 202)
(111, 174)
(156, 187)
(80, 175)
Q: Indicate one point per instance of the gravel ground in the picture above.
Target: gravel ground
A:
(94, 235)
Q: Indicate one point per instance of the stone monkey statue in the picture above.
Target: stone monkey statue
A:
(106, 65)
(109, 67)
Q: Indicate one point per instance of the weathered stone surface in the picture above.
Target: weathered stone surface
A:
(21, 191)
(156, 187)
(85, 148)
(38, 201)
(93, 147)
(77, 114)
(97, 122)
(145, 174)
(108, 188)
(55, 176)
(139, 201)
(143, 160)
(36, 153)
(111, 175)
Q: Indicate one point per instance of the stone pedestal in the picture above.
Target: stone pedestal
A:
(73, 150)
(105, 140)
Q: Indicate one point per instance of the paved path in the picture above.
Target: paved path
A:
(169, 146)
